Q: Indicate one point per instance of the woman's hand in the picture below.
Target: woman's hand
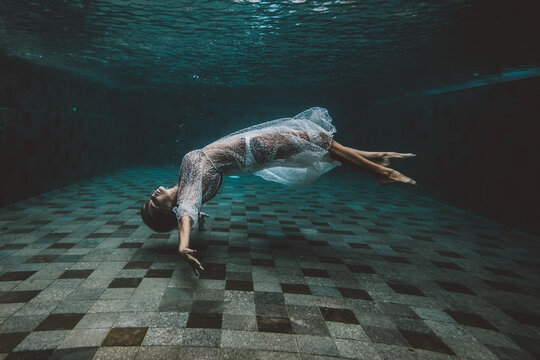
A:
(187, 254)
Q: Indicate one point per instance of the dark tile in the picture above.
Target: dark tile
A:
(295, 289)
(125, 283)
(274, 324)
(18, 296)
(83, 353)
(125, 337)
(239, 285)
(359, 246)
(455, 287)
(10, 341)
(12, 246)
(56, 235)
(406, 289)
(315, 273)
(354, 293)
(38, 259)
(138, 265)
(30, 355)
(524, 318)
(338, 315)
(317, 243)
(403, 249)
(503, 272)
(263, 297)
(450, 254)
(446, 265)
(503, 353)
(16, 275)
(206, 321)
(262, 262)
(76, 274)
(213, 271)
(529, 344)
(497, 285)
(130, 245)
(396, 259)
(385, 336)
(59, 322)
(363, 269)
(470, 319)
(159, 273)
(426, 342)
(62, 246)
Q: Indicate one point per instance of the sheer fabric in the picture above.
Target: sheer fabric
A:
(291, 151)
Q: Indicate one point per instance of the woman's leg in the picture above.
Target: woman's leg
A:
(353, 157)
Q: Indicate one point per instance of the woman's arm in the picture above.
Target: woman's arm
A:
(184, 230)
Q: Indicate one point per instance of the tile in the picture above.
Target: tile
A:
(201, 337)
(18, 296)
(426, 342)
(16, 275)
(338, 315)
(158, 352)
(272, 324)
(163, 337)
(354, 293)
(84, 338)
(125, 337)
(470, 319)
(314, 272)
(354, 349)
(59, 322)
(264, 297)
(207, 321)
(319, 345)
(159, 273)
(385, 335)
(9, 341)
(80, 353)
(42, 340)
(295, 289)
(30, 355)
(125, 283)
(455, 287)
(239, 285)
(406, 289)
(239, 322)
(76, 274)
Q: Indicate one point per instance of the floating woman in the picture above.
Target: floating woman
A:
(292, 151)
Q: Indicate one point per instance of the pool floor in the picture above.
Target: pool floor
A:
(343, 269)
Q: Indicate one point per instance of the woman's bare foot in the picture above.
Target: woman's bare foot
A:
(383, 158)
(394, 176)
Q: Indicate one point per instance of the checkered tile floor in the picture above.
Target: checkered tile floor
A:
(343, 269)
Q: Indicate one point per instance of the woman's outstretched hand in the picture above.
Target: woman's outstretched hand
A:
(187, 254)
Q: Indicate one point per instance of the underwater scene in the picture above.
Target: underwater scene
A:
(256, 179)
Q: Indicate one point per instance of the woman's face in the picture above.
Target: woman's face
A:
(161, 198)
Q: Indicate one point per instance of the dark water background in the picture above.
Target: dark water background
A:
(87, 87)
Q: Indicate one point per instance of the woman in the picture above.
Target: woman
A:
(292, 151)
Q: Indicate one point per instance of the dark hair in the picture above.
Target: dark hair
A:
(157, 219)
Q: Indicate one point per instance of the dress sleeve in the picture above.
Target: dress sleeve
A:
(197, 182)
(190, 187)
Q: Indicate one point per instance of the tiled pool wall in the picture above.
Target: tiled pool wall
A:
(54, 130)
(476, 147)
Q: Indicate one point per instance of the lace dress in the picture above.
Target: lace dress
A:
(291, 151)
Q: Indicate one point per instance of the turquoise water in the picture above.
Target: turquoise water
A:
(402, 46)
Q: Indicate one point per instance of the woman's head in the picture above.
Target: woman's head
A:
(157, 211)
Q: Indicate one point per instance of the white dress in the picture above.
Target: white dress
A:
(291, 151)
